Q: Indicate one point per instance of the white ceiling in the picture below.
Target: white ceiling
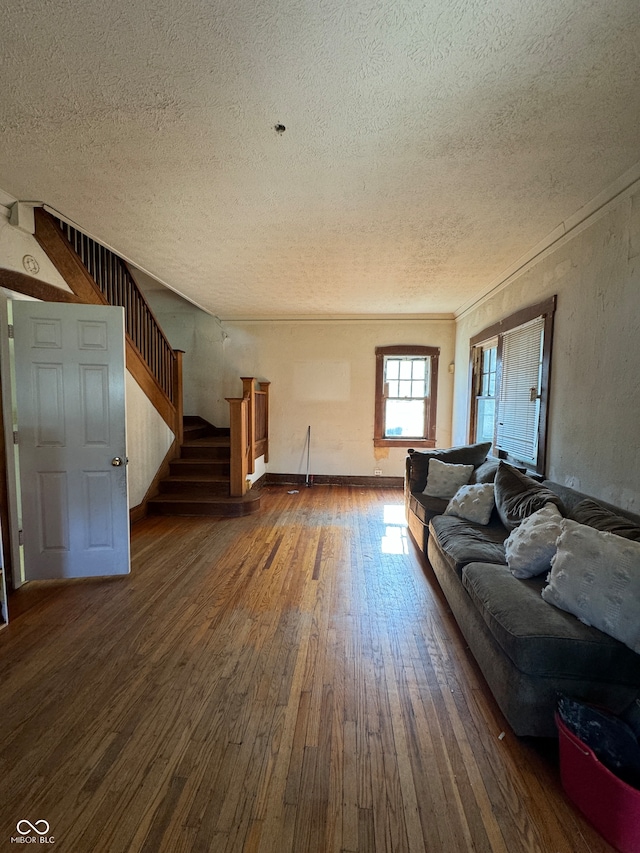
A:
(428, 143)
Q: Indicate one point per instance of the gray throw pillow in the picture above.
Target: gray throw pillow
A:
(485, 473)
(519, 496)
(591, 513)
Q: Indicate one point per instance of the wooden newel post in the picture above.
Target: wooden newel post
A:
(249, 422)
(238, 409)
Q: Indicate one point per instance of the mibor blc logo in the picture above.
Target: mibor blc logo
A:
(33, 833)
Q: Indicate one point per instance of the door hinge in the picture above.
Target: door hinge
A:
(20, 537)
(15, 436)
(11, 330)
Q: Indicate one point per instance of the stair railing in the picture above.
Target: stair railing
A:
(111, 278)
(249, 423)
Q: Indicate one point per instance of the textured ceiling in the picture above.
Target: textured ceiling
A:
(428, 143)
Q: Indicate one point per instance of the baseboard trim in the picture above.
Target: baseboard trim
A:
(137, 513)
(335, 480)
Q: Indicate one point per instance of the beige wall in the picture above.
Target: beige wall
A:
(322, 375)
(593, 441)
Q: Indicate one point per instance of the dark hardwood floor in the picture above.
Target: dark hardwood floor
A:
(288, 681)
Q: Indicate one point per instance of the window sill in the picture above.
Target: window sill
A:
(404, 442)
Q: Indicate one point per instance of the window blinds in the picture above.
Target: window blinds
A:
(519, 400)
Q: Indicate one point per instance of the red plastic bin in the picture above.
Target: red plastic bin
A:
(608, 803)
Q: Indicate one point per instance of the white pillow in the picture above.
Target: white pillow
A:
(473, 503)
(596, 576)
(444, 479)
(532, 544)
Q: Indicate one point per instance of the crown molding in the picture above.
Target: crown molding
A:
(626, 185)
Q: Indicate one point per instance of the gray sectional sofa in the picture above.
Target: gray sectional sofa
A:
(529, 651)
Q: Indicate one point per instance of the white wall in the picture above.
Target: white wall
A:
(322, 375)
(593, 442)
(148, 441)
(16, 243)
(200, 336)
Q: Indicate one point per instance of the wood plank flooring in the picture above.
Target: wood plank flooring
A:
(286, 682)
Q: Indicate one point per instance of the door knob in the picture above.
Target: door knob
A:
(116, 461)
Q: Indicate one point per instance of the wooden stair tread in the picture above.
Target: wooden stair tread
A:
(195, 477)
(204, 505)
(206, 499)
(208, 441)
(199, 460)
(199, 480)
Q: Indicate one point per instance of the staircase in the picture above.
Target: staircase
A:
(198, 481)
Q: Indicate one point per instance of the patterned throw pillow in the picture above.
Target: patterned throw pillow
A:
(473, 503)
(532, 545)
(444, 480)
(596, 576)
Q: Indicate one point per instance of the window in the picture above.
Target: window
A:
(485, 410)
(406, 395)
(510, 379)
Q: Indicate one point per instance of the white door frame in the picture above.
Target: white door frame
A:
(9, 411)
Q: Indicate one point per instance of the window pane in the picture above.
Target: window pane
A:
(405, 388)
(417, 388)
(392, 389)
(419, 368)
(486, 414)
(405, 418)
(392, 368)
(405, 368)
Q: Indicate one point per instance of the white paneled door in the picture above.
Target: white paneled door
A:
(70, 393)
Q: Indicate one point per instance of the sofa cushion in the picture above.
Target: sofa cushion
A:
(591, 513)
(473, 503)
(468, 454)
(463, 542)
(518, 496)
(445, 478)
(425, 507)
(542, 640)
(596, 576)
(532, 544)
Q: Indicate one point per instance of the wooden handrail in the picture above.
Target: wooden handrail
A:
(249, 422)
(97, 275)
(114, 280)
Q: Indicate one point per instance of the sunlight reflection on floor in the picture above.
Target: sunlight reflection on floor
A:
(395, 539)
